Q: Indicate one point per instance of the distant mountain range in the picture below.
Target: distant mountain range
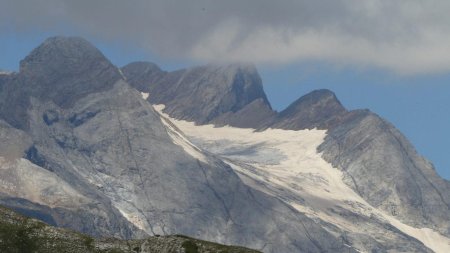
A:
(137, 151)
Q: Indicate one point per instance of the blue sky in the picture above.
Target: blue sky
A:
(392, 57)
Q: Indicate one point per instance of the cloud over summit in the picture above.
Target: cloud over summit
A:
(405, 36)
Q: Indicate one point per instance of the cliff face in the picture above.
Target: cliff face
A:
(383, 167)
(207, 94)
(142, 75)
(318, 109)
(59, 72)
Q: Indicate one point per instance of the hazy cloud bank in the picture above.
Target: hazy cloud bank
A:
(406, 36)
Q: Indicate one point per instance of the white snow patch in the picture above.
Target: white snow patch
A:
(432, 239)
(134, 218)
(285, 164)
(144, 95)
(179, 139)
(121, 73)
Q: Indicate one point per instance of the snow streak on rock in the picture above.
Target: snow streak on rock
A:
(286, 164)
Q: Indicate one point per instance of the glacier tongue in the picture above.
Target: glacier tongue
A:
(286, 164)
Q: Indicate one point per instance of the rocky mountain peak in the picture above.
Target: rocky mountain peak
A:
(317, 109)
(203, 93)
(244, 82)
(63, 69)
(316, 101)
(140, 74)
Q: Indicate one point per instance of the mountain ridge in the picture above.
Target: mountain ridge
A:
(321, 109)
(129, 170)
(112, 148)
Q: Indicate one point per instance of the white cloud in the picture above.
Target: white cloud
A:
(405, 36)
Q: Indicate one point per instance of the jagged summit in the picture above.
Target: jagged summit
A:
(203, 93)
(140, 74)
(67, 49)
(317, 109)
(63, 69)
(316, 101)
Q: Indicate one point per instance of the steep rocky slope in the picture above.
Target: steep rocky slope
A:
(212, 93)
(318, 109)
(384, 168)
(378, 162)
(140, 74)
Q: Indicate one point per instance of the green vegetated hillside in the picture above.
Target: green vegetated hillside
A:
(22, 235)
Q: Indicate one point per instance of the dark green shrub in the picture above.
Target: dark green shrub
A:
(190, 247)
(21, 237)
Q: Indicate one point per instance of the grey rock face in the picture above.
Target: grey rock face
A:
(141, 75)
(384, 168)
(252, 115)
(64, 69)
(13, 141)
(318, 109)
(202, 94)
(379, 162)
(14, 101)
(61, 70)
(90, 219)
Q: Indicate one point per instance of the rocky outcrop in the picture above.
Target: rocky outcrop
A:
(61, 70)
(383, 167)
(319, 109)
(208, 94)
(142, 75)
(256, 113)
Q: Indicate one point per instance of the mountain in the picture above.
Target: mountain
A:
(22, 234)
(205, 94)
(383, 167)
(54, 76)
(318, 109)
(140, 74)
(378, 165)
(139, 151)
(96, 157)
